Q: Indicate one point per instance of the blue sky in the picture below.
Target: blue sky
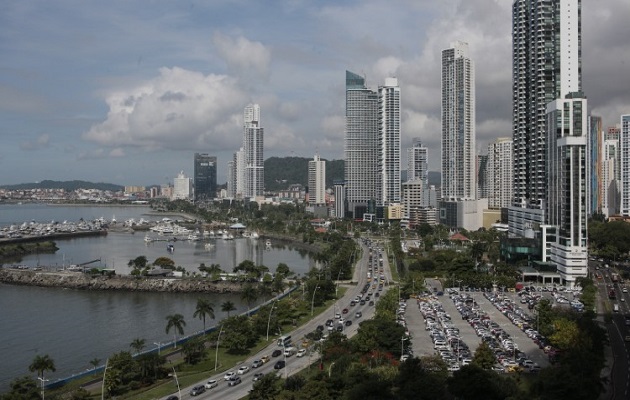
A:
(126, 91)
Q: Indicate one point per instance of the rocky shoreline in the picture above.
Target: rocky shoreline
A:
(81, 281)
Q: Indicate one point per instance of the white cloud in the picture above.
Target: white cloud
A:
(177, 110)
(242, 55)
(42, 142)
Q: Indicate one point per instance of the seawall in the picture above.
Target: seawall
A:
(81, 281)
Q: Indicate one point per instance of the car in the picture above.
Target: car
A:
(257, 363)
(301, 353)
(265, 359)
(348, 323)
(358, 314)
(624, 290)
(229, 375)
(344, 311)
(211, 384)
(339, 328)
(628, 338)
(279, 364)
(197, 390)
(320, 328)
(371, 303)
(172, 397)
(243, 370)
(337, 316)
(276, 353)
(234, 381)
(258, 376)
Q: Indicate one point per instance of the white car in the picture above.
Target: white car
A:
(229, 375)
(243, 370)
(211, 384)
(301, 353)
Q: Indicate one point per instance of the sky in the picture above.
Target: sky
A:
(126, 92)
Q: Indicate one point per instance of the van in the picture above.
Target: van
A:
(616, 307)
(289, 351)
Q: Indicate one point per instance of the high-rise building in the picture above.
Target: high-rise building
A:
(340, 198)
(182, 187)
(389, 132)
(610, 174)
(458, 124)
(362, 147)
(418, 167)
(231, 179)
(500, 173)
(253, 147)
(317, 181)
(595, 152)
(624, 153)
(546, 86)
(482, 176)
(205, 176)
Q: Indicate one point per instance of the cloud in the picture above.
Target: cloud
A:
(177, 110)
(242, 55)
(42, 142)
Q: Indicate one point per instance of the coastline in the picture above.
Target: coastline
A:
(81, 281)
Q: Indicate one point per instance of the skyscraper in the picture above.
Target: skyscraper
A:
(182, 187)
(624, 152)
(362, 147)
(458, 124)
(253, 147)
(205, 176)
(549, 133)
(610, 174)
(389, 132)
(500, 173)
(595, 151)
(317, 181)
(418, 162)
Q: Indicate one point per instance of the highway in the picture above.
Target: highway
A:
(294, 363)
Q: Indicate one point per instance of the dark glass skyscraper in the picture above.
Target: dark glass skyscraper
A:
(205, 177)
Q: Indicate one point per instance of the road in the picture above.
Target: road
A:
(293, 363)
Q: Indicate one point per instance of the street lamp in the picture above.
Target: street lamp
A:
(313, 300)
(103, 384)
(273, 305)
(159, 345)
(216, 351)
(43, 384)
(179, 391)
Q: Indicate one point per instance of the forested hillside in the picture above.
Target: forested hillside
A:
(280, 172)
(66, 185)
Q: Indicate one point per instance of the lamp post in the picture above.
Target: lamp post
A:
(313, 300)
(103, 384)
(179, 391)
(159, 345)
(216, 351)
(43, 384)
(273, 305)
(459, 285)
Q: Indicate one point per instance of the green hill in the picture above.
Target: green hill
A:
(66, 185)
(280, 172)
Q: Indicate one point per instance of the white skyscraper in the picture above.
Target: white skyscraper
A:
(624, 152)
(610, 174)
(182, 187)
(317, 181)
(417, 162)
(389, 132)
(500, 173)
(253, 147)
(458, 124)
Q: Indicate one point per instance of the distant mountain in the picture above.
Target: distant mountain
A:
(280, 172)
(66, 185)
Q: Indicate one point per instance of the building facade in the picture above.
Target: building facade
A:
(389, 133)
(339, 188)
(182, 187)
(610, 174)
(458, 124)
(418, 167)
(500, 173)
(624, 153)
(253, 148)
(317, 181)
(205, 176)
(595, 153)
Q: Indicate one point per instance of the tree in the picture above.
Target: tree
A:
(42, 364)
(24, 388)
(137, 344)
(227, 307)
(177, 323)
(249, 294)
(204, 309)
(194, 351)
(472, 382)
(139, 262)
(95, 362)
(267, 388)
(164, 262)
(484, 357)
(283, 269)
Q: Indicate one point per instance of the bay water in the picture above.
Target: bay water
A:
(74, 327)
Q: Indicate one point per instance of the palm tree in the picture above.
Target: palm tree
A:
(227, 307)
(249, 294)
(95, 362)
(204, 309)
(137, 344)
(175, 321)
(42, 364)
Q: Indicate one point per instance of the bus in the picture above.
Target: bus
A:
(284, 341)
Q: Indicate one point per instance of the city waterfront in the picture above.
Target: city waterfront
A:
(74, 327)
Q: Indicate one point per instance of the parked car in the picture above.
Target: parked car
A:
(234, 381)
(211, 384)
(279, 364)
(197, 390)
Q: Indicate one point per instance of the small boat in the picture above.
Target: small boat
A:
(268, 243)
(147, 239)
(208, 246)
(170, 248)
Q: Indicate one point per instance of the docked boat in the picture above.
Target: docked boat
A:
(170, 248)
(147, 239)
(268, 243)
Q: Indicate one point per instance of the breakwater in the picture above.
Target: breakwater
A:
(82, 281)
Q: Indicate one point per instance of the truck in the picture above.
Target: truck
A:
(614, 277)
(611, 294)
